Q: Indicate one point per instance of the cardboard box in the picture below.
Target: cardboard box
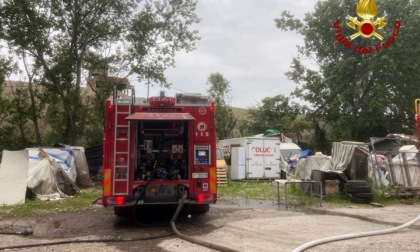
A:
(331, 187)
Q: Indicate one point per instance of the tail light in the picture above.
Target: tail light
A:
(120, 200)
(200, 198)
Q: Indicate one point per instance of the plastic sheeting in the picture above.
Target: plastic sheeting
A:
(50, 173)
(71, 160)
(378, 169)
(63, 157)
(42, 180)
(82, 167)
(13, 176)
(306, 165)
(342, 154)
(406, 166)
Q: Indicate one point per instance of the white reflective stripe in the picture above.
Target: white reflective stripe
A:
(200, 175)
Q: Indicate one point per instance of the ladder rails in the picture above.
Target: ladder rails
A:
(122, 142)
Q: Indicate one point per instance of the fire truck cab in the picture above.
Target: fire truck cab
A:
(156, 150)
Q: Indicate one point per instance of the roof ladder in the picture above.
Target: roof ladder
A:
(123, 108)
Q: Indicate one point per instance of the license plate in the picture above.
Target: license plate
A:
(200, 175)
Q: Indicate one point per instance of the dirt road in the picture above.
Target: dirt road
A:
(241, 225)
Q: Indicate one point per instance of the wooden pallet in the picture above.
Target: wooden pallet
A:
(221, 176)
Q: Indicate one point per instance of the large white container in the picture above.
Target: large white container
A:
(262, 156)
(238, 163)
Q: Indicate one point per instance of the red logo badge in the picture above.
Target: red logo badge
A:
(366, 27)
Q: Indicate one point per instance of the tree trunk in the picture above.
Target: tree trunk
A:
(34, 113)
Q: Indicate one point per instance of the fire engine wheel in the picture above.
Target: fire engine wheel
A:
(125, 211)
(199, 208)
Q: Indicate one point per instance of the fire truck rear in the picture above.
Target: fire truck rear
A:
(159, 149)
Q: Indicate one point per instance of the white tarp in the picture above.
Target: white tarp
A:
(63, 157)
(42, 179)
(407, 169)
(13, 176)
(342, 154)
(83, 175)
(317, 162)
(50, 173)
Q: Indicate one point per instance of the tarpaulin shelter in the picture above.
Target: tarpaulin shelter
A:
(49, 173)
(71, 160)
(348, 161)
(349, 158)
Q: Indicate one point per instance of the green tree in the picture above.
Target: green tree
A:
(140, 36)
(5, 69)
(156, 33)
(277, 112)
(220, 91)
(35, 104)
(6, 130)
(299, 126)
(243, 126)
(19, 110)
(357, 95)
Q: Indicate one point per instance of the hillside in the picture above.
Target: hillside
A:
(240, 113)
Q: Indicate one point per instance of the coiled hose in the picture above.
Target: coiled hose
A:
(191, 239)
(354, 235)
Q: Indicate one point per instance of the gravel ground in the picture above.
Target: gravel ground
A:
(241, 225)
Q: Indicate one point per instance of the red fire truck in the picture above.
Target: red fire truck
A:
(156, 150)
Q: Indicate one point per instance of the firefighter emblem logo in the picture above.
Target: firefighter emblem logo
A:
(202, 126)
(367, 11)
(366, 25)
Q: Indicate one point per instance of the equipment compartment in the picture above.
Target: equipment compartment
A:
(162, 151)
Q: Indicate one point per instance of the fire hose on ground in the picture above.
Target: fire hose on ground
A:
(184, 237)
(191, 239)
(83, 241)
(354, 235)
(209, 244)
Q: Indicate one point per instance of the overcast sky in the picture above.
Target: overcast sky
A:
(239, 39)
